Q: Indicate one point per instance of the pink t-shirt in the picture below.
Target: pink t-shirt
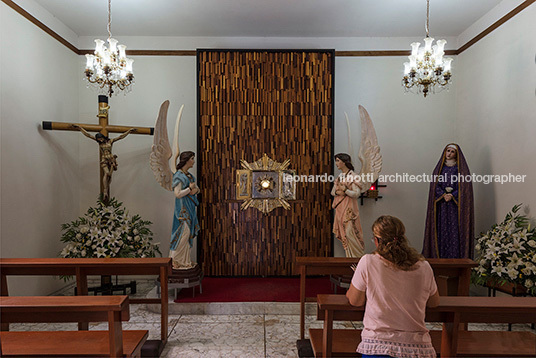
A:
(395, 307)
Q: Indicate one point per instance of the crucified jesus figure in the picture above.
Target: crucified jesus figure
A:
(108, 161)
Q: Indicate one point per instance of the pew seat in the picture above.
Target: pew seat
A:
(496, 344)
(82, 309)
(68, 343)
(345, 342)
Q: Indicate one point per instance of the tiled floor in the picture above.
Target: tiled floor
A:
(262, 335)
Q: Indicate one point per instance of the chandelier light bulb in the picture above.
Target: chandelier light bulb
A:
(407, 68)
(412, 61)
(128, 66)
(438, 58)
(415, 48)
(122, 51)
(99, 45)
(447, 64)
(441, 45)
(428, 44)
(90, 62)
(112, 45)
(106, 59)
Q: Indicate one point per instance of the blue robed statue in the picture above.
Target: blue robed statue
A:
(185, 224)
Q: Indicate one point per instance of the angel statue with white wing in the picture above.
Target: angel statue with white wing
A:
(178, 179)
(349, 186)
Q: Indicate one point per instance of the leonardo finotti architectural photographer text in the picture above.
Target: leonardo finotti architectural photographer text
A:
(410, 178)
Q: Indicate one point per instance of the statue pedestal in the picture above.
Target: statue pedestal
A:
(184, 279)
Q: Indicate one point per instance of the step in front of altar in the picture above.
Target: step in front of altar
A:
(230, 308)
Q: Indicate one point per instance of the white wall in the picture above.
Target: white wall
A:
(401, 120)
(39, 185)
(496, 116)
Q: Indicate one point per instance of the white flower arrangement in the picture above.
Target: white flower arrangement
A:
(108, 231)
(507, 253)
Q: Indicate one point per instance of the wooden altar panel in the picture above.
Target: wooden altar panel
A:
(250, 103)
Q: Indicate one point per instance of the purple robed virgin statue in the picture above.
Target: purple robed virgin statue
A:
(449, 228)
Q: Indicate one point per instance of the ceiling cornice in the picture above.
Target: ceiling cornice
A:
(495, 25)
(71, 47)
(42, 26)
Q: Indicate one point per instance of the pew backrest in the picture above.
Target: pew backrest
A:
(33, 309)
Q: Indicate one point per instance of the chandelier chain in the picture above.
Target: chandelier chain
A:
(109, 18)
(427, 18)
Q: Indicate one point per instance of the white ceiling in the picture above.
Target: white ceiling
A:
(269, 18)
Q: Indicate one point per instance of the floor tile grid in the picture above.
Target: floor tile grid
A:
(267, 335)
(217, 336)
(275, 335)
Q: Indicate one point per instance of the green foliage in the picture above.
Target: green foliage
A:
(507, 253)
(108, 231)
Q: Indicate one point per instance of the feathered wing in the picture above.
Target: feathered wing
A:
(369, 150)
(161, 150)
(350, 146)
(176, 140)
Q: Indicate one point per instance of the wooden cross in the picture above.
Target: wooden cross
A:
(107, 160)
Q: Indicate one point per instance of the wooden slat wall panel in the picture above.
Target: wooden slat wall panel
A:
(251, 103)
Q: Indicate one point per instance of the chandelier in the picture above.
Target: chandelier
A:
(109, 68)
(427, 69)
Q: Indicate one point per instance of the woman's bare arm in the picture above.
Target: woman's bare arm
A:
(356, 297)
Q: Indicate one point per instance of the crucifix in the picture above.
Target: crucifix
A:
(107, 160)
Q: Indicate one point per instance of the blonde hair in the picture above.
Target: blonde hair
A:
(393, 244)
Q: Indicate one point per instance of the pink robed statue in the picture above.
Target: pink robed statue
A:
(349, 185)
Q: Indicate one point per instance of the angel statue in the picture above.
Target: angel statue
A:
(178, 179)
(349, 185)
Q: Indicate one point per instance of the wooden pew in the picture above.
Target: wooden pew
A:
(458, 270)
(31, 309)
(344, 342)
(82, 268)
(458, 343)
(452, 342)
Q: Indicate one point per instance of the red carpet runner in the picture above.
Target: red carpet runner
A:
(243, 289)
